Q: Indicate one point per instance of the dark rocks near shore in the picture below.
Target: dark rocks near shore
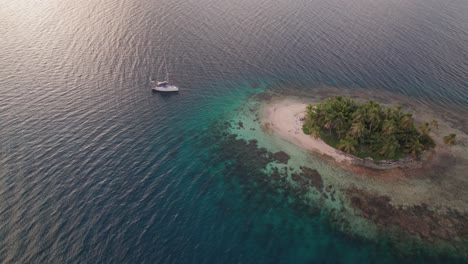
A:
(406, 163)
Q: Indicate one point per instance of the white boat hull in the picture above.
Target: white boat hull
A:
(168, 88)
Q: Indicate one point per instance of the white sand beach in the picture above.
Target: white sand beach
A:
(283, 117)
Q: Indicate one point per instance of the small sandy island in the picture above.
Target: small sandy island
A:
(284, 117)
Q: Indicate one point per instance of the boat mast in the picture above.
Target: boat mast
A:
(165, 66)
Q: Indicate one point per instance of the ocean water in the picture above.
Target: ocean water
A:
(96, 168)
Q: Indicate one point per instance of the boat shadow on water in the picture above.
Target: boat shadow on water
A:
(165, 94)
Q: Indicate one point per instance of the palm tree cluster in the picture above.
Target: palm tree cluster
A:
(367, 129)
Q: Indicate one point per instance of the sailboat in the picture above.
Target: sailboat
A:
(163, 86)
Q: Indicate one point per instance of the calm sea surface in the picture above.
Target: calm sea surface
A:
(96, 168)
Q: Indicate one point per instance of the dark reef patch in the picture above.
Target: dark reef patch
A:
(281, 157)
(308, 178)
(421, 220)
(247, 171)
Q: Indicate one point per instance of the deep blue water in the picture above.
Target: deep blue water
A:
(96, 168)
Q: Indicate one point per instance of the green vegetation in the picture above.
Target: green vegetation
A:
(450, 139)
(368, 129)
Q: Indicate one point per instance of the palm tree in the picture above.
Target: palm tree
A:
(388, 128)
(389, 148)
(327, 121)
(415, 148)
(357, 130)
(339, 123)
(347, 145)
(373, 118)
(359, 115)
(315, 132)
(406, 121)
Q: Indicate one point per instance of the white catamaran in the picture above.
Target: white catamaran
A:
(163, 86)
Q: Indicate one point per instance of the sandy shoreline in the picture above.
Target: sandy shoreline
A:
(283, 117)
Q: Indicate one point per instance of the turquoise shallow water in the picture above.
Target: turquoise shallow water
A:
(96, 168)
